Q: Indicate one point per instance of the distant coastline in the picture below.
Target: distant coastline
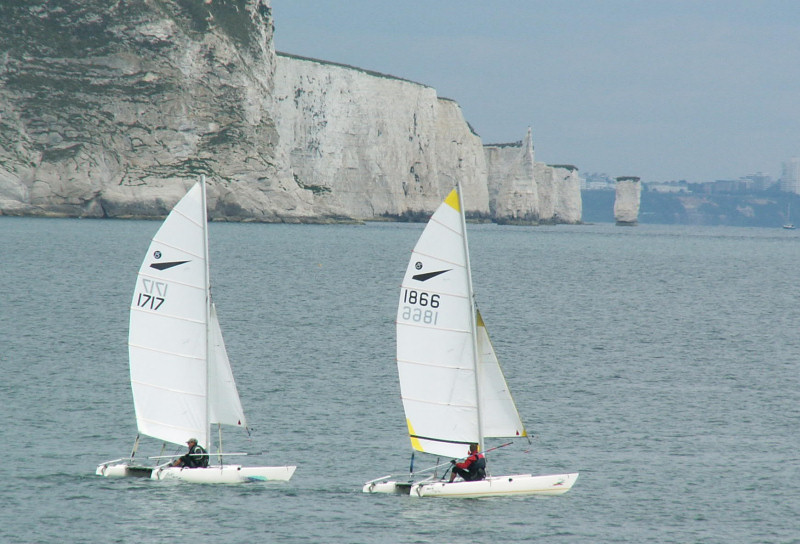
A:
(758, 209)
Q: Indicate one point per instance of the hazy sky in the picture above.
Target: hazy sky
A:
(661, 89)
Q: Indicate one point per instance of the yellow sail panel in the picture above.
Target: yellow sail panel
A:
(412, 435)
(452, 200)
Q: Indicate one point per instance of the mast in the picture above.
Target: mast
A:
(207, 284)
(472, 323)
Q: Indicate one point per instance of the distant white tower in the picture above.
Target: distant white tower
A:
(790, 179)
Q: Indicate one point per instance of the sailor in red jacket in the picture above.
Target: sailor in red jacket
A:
(473, 468)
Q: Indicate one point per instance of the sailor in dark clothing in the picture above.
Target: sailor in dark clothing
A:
(194, 458)
(472, 469)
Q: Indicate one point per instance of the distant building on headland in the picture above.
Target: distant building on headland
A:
(597, 182)
(751, 183)
(753, 200)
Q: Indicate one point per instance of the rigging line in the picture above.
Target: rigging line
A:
(448, 462)
(135, 447)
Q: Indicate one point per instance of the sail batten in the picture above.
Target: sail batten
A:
(456, 231)
(175, 317)
(154, 277)
(440, 440)
(444, 329)
(420, 254)
(168, 245)
(155, 350)
(435, 403)
(168, 389)
(435, 364)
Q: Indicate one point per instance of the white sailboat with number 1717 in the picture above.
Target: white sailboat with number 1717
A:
(180, 373)
(453, 390)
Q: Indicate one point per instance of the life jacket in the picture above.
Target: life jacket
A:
(196, 460)
(477, 469)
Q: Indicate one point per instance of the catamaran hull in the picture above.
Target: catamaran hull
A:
(226, 474)
(123, 470)
(496, 486)
(389, 487)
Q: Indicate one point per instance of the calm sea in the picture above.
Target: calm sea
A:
(663, 363)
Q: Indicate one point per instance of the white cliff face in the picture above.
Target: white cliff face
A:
(460, 157)
(522, 190)
(513, 190)
(118, 120)
(626, 202)
(368, 145)
(568, 206)
(115, 109)
(547, 192)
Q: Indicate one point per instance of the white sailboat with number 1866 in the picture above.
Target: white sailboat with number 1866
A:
(453, 390)
(180, 374)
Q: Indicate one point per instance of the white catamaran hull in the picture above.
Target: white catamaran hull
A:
(517, 484)
(388, 486)
(215, 474)
(495, 486)
(115, 469)
(226, 474)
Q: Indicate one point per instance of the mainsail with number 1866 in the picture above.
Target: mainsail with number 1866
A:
(453, 389)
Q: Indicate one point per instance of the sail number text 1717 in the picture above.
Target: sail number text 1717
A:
(421, 307)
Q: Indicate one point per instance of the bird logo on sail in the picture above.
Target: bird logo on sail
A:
(164, 266)
(425, 276)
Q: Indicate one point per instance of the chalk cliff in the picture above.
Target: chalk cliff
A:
(112, 109)
(627, 200)
(523, 191)
(373, 145)
(568, 206)
(513, 191)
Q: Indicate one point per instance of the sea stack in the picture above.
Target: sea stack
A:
(626, 202)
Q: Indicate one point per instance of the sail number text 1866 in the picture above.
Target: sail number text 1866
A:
(420, 307)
